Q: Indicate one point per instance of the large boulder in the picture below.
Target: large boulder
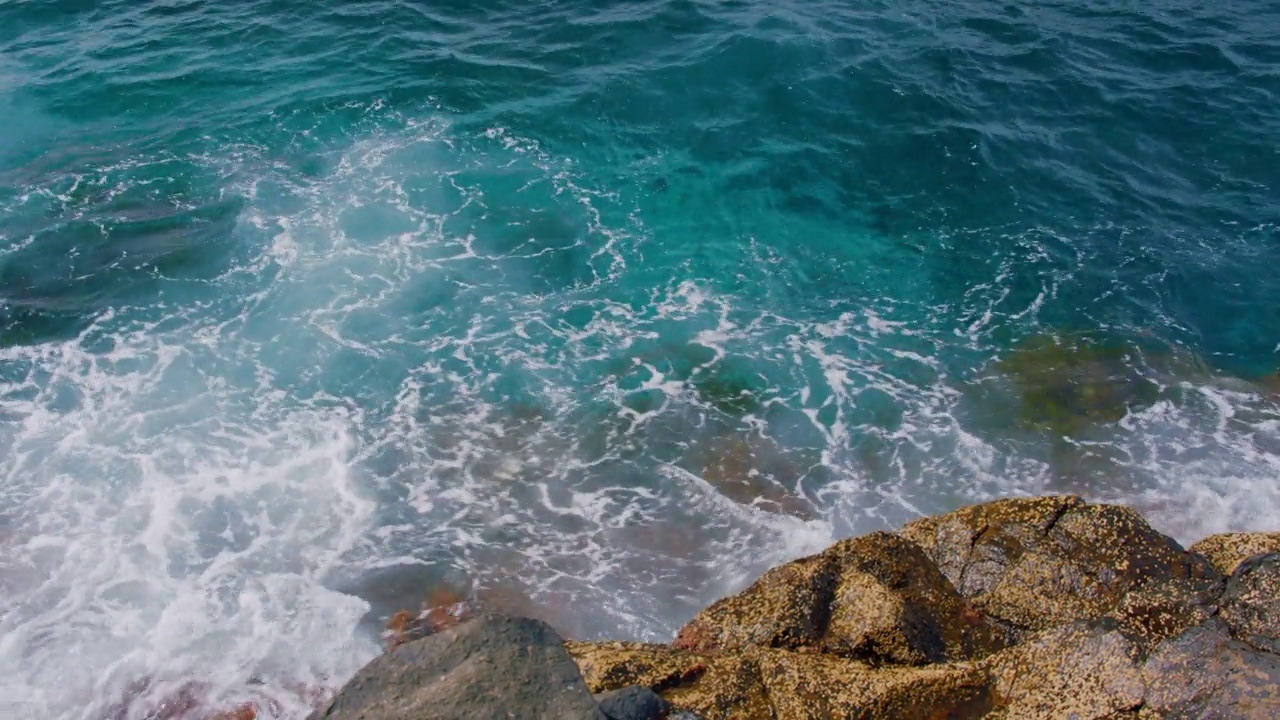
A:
(492, 667)
(877, 598)
(892, 605)
(1031, 564)
(1228, 550)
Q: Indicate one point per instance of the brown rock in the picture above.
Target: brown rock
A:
(1077, 670)
(713, 686)
(787, 607)
(1036, 563)
(1005, 527)
(1228, 550)
(444, 607)
(752, 470)
(893, 605)
(770, 683)
(822, 686)
(878, 598)
(1160, 611)
(1250, 606)
(247, 711)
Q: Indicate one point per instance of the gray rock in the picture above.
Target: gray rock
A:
(633, 703)
(1205, 674)
(485, 669)
(1093, 671)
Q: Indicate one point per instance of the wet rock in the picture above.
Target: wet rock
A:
(247, 711)
(1250, 606)
(1094, 670)
(1204, 673)
(493, 667)
(1228, 550)
(443, 608)
(1033, 563)
(1160, 611)
(633, 703)
(1032, 608)
(820, 686)
(1068, 384)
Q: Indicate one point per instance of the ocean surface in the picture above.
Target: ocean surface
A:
(310, 312)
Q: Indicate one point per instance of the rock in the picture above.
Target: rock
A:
(878, 598)
(1078, 670)
(787, 607)
(893, 605)
(492, 667)
(444, 607)
(714, 686)
(750, 470)
(772, 683)
(633, 703)
(825, 686)
(1034, 608)
(247, 711)
(1205, 674)
(1068, 385)
(1228, 550)
(1250, 606)
(1030, 564)
(1093, 671)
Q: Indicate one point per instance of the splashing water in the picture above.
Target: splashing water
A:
(602, 307)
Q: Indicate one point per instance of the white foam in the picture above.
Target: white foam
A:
(183, 486)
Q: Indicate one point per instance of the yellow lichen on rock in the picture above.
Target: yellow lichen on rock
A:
(1228, 550)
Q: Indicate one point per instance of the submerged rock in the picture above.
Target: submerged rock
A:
(1072, 383)
(751, 470)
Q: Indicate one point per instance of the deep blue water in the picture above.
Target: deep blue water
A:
(599, 307)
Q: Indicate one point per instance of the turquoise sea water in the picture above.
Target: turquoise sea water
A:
(599, 307)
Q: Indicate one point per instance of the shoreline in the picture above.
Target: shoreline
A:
(1020, 608)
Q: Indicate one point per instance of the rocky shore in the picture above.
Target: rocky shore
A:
(1028, 608)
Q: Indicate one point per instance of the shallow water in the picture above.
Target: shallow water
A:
(601, 307)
